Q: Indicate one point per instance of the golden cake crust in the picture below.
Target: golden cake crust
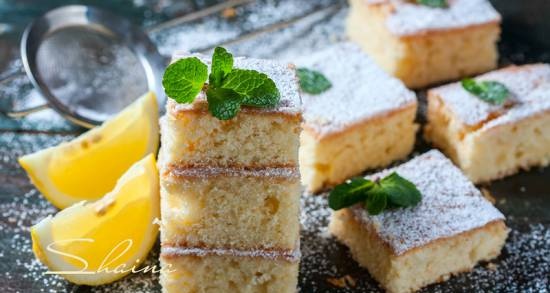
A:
(377, 119)
(492, 141)
(422, 45)
(407, 20)
(180, 171)
(360, 91)
(433, 262)
(170, 250)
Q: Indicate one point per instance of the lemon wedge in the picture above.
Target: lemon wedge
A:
(88, 167)
(101, 242)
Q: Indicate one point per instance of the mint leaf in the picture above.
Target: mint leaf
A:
(256, 88)
(400, 191)
(184, 79)
(312, 82)
(434, 3)
(266, 95)
(228, 88)
(492, 92)
(376, 202)
(222, 63)
(223, 104)
(349, 193)
(391, 191)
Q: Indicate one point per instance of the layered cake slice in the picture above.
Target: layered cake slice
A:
(230, 192)
(256, 137)
(448, 232)
(237, 208)
(222, 270)
(423, 45)
(489, 141)
(365, 120)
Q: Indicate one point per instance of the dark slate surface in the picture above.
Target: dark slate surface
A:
(277, 29)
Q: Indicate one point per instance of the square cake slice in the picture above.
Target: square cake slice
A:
(256, 137)
(449, 231)
(231, 208)
(365, 120)
(423, 45)
(492, 141)
(203, 270)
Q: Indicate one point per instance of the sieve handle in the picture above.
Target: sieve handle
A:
(23, 112)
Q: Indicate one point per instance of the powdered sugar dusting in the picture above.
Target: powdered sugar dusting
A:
(360, 90)
(210, 171)
(408, 18)
(450, 205)
(283, 75)
(292, 255)
(528, 85)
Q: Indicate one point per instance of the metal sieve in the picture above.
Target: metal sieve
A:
(89, 64)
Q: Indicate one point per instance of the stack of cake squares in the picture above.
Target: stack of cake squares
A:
(230, 192)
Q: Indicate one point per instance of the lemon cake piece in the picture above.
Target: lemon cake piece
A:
(237, 208)
(423, 45)
(365, 120)
(448, 232)
(198, 270)
(256, 137)
(490, 141)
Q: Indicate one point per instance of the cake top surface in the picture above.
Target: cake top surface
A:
(450, 205)
(360, 90)
(282, 74)
(529, 87)
(409, 18)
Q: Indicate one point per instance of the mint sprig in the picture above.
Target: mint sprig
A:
(434, 3)
(492, 92)
(312, 81)
(228, 88)
(390, 192)
(184, 79)
(222, 63)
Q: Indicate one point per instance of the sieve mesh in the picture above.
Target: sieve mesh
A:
(89, 71)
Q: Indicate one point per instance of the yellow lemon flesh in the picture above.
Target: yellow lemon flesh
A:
(88, 167)
(100, 242)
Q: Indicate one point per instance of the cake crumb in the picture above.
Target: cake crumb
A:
(346, 281)
(492, 266)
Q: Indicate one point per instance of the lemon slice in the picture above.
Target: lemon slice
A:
(100, 242)
(88, 167)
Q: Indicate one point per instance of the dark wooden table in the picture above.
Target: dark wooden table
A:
(274, 29)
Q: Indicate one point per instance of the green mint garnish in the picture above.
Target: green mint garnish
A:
(184, 79)
(391, 191)
(224, 104)
(266, 95)
(349, 193)
(312, 82)
(492, 92)
(228, 88)
(256, 88)
(433, 3)
(222, 63)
